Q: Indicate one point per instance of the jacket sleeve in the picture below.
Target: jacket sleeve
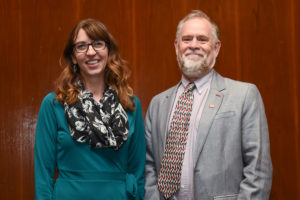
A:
(151, 191)
(45, 150)
(256, 149)
(137, 151)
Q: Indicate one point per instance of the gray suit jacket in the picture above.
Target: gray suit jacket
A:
(232, 158)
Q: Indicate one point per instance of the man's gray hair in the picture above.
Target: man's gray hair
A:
(198, 14)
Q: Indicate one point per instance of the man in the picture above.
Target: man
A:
(207, 137)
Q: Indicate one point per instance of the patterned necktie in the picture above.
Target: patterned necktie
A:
(170, 172)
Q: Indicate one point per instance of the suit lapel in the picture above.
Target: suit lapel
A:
(212, 105)
(165, 114)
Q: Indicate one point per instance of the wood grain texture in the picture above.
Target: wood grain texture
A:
(260, 44)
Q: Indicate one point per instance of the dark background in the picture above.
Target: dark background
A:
(260, 44)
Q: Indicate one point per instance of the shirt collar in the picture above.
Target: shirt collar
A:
(200, 83)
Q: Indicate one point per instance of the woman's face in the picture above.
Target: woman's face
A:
(91, 62)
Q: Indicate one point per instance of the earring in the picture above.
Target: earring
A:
(75, 68)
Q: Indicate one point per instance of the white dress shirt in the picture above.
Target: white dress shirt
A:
(186, 190)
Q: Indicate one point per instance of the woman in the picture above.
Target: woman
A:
(91, 129)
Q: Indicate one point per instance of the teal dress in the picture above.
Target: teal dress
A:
(82, 172)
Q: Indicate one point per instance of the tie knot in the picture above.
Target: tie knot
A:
(190, 87)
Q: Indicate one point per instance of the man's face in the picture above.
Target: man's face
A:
(196, 48)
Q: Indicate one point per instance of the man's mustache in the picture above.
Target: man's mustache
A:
(196, 52)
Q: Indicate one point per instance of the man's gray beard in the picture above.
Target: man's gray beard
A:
(197, 68)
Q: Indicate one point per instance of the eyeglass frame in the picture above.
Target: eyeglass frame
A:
(88, 46)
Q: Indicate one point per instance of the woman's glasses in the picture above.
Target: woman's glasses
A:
(82, 47)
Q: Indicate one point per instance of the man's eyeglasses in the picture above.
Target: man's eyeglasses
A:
(82, 47)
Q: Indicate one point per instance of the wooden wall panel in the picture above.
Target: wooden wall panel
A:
(260, 44)
(266, 61)
(32, 37)
(156, 59)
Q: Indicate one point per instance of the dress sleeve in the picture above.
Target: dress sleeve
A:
(137, 151)
(45, 150)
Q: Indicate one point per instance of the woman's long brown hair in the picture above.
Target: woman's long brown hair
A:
(116, 72)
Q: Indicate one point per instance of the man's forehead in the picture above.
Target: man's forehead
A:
(196, 26)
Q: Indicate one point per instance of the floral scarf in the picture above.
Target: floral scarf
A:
(103, 124)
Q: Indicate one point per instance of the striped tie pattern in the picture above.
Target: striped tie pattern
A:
(170, 172)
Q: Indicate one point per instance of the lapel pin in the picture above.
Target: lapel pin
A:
(211, 105)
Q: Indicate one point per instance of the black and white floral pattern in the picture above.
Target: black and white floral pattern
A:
(103, 124)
